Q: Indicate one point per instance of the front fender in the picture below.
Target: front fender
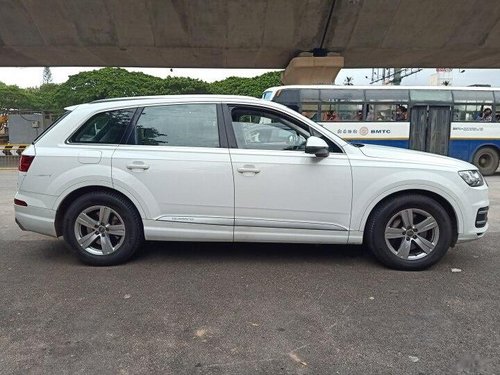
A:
(370, 196)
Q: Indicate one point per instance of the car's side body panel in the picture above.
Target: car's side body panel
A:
(375, 178)
(182, 188)
(297, 195)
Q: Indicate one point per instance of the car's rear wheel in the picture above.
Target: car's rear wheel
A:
(409, 232)
(103, 228)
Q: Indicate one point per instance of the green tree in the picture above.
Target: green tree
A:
(246, 86)
(116, 82)
(46, 76)
(14, 98)
(43, 98)
(105, 83)
(182, 85)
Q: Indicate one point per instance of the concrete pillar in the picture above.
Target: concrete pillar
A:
(309, 70)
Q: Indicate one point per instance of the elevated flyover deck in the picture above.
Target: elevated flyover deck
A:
(249, 34)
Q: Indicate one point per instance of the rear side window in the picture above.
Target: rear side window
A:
(105, 127)
(192, 125)
(51, 126)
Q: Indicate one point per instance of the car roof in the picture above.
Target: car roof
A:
(138, 101)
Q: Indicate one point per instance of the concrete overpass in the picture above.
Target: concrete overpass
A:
(249, 33)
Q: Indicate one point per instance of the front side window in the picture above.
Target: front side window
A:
(191, 125)
(105, 127)
(261, 130)
(266, 130)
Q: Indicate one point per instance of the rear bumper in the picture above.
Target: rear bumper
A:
(36, 219)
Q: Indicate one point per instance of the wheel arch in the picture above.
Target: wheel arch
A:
(450, 209)
(71, 196)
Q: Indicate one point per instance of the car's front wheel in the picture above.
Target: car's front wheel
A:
(409, 232)
(103, 228)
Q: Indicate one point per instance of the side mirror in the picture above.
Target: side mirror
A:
(317, 146)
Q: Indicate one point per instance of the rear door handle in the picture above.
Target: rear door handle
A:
(138, 166)
(248, 169)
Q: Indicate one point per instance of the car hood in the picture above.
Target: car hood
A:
(414, 157)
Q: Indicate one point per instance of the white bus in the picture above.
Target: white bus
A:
(461, 122)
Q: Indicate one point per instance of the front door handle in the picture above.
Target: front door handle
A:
(248, 170)
(138, 166)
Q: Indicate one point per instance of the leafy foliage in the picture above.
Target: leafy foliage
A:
(247, 86)
(42, 98)
(104, 83)
(13, 97)
(117, 82)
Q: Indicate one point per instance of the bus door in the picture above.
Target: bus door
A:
(430, 128)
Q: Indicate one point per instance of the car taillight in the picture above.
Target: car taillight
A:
(25, 162)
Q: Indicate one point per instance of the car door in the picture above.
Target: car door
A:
(177, 166)
(282, 193)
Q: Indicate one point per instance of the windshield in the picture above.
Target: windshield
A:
(267, 95)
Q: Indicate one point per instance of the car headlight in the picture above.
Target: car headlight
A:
(472, 178)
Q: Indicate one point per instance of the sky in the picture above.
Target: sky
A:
(31, 77)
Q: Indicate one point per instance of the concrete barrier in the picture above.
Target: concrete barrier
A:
(10, 149)
(9, 155)
(9, 161)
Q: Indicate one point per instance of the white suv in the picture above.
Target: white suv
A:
(112, 173)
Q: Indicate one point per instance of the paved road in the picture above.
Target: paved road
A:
(245, 309)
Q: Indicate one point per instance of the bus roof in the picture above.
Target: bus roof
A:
(379, 87)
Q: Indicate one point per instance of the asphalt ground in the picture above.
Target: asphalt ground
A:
(189, 308)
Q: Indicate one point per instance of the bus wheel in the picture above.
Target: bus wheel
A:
(486, 159)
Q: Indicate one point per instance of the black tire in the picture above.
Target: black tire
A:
(486, 160)
(122, 212)
(384, 213)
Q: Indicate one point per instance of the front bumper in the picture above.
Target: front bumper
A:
(475, 218)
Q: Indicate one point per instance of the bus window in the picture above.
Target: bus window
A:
(475, 106)
(341, 112)
(384, 96)
(387, 112)
(346, 95)
(309, 95)
(431, 96)
(287, 96)
(466, 96)
(472, 113)
(310, 110)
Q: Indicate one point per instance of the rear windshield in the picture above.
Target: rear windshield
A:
(50, 126)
